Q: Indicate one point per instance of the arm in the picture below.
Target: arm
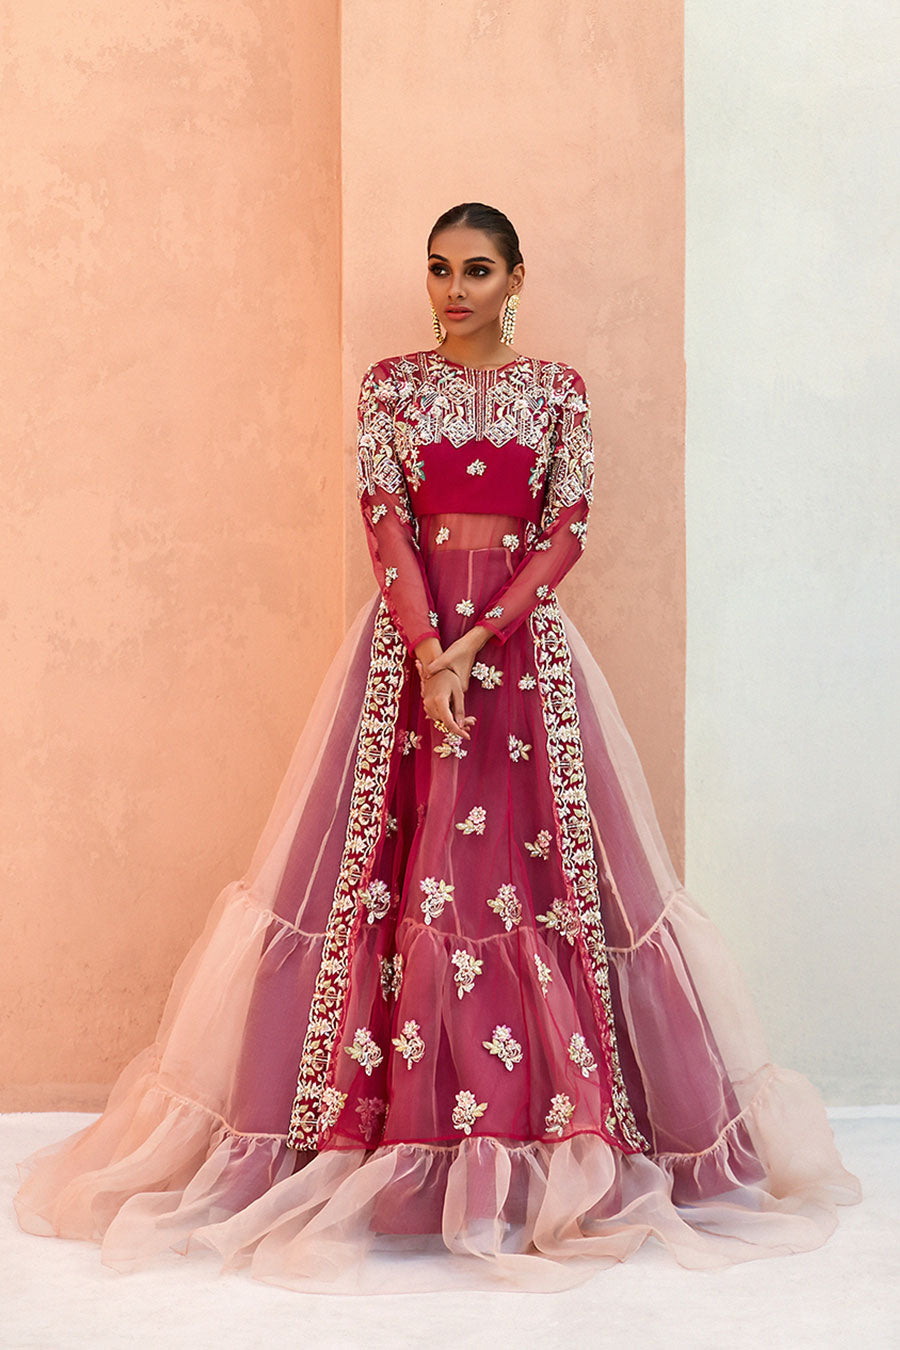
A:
(391, 527)
(559, 542)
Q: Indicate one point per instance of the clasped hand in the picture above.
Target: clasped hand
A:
(445, 680)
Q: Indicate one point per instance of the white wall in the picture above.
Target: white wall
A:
(793, 520)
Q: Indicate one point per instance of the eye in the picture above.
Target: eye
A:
(436, 268)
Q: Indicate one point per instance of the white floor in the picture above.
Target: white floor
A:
(56, 1294)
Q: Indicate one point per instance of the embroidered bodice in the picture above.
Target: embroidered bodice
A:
(451, 456)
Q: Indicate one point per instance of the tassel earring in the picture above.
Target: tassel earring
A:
(438, 332)
(508, 326)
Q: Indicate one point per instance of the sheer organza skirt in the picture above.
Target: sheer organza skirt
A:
(414, 1188)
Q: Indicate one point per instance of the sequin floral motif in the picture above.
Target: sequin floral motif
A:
(391, 975)
(518, 749)
(474, 822)
(410, 1043)
(442, 535)
(505, 1047)
(412, 740)
(378, 512)
(562, 1108)
(507, 906)
(541, 846)
(544, 974)
(465, 607)
(370, 1110)
(437, 894)
(466, 1111)
(390, 576)
(433, 618)
(476, 468)
(494, 613)
(511, 541)
(467, 968)
(377, 899)
(580, 1055)
(452, 744)
(564, 918)
(364, 1050)
(331, 1104)
(489, 676)
(527, 682)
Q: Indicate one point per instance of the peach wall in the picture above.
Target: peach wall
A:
(173, 499)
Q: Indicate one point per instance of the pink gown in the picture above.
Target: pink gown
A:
(459, 1023)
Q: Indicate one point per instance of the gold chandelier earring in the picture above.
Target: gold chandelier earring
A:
(438, 333)
(508, 326)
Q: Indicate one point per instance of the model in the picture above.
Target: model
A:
(459, 1023)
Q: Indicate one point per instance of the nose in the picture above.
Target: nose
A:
(457, 290)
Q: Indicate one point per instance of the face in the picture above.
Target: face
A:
(467, 274)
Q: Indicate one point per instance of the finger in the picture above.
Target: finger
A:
(448, 717)
(457, 701)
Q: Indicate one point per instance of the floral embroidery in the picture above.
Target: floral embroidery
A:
(477, 467)
(442, 535)
(564, 917)
(437, 894)
(541, 846)
(465, 607)
(364, 1050)
(527, 682)
(377, 512)
(390, 824)
(391, 968)
(377, 899)
(385, 681)
(369, 1110)
(489, 676)
(466, 1111)
(579, 529)
(467, 968)
(518, 749)
(541, 592)
(575, 829)
(410, 1043)
(494, 613)
(510, 541)
(330, 1106)
(452, 744)
(503, 1045)
(507, 906)
(580, 1055)
(390, 575)
(474, 822)
(544, 544)
(544, 974)
(432, 618)
(562, 1108)
(412, 740)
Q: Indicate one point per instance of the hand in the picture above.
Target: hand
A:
(458, 657)
(444, 700)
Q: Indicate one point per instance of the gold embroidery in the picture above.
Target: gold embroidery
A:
(505, 1047)
(467, 968)
(452, 744)
(562, 1108)
(391, 975)
(437, 894)
(544, 974)
(390, 576)
(574, 832)
(332, 1103)
(474, 822)
(410, 1043)
(527, 682)
(564, 917)
(580, 1055)
(541, 846)
(507, 906)
(489, 676)
(442, 535)
(412, 740)
(433, 618)
(381, 701)
(466, 1111)
(377, 899)
(364, 1050)
(517, 749)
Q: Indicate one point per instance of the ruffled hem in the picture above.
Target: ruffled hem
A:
(159, 1171)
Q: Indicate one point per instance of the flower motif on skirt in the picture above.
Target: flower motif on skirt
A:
(377, 899)
(364, 1050)
(505, 1047)
(466, 1111)
(410, 1043)
(507, 906)
(467, 968)
(437, 894)
(561, 1111)
(580, 1055)
(474, 822)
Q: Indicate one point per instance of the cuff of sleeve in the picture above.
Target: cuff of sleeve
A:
(499, 634)
(430, 632)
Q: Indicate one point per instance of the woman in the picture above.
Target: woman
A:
(460, 1004)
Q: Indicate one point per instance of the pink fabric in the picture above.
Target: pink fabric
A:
(469, 971)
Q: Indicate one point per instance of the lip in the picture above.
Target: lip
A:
(456, 312)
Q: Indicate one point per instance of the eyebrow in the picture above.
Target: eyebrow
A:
(481, 258)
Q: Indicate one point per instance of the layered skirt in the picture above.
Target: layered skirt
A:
(459, 1024)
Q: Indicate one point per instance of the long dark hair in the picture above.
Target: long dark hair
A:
(486, 218)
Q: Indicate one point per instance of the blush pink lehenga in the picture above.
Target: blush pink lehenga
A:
(459, 1024)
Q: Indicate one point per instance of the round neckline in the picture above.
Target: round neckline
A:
(433, 351)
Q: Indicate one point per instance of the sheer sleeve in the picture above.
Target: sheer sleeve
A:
(391, 527)
(557, 545)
